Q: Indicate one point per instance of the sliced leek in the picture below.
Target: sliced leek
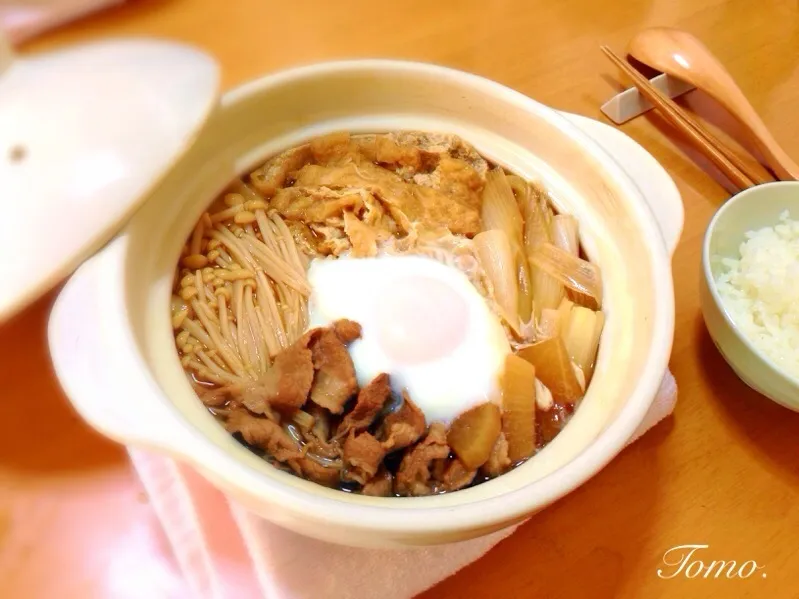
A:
(554, 368)
(547, 291)
(550, 323)
(564, 233)
(575, 273)
(500, 211)
(581, 335)
(496, 257)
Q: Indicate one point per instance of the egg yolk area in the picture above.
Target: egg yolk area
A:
(420, 319)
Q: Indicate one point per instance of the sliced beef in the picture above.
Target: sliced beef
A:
(334, 382)
(213, 398)
(456, 476)
(404, 426)
(265, 434)
(324, 475)
(413, 477)
(437, 468)
(381, 485)
(347, 330)
(286, 385)
(303, 420)
(318, 439)
(498, 462)
(371, 400)
(327, 449)
(274, 174)
(363, 455)
(321, 425)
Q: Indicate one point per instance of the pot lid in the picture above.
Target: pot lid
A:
(85, 133)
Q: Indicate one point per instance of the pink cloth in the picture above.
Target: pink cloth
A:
(22, 19)
(255, 558)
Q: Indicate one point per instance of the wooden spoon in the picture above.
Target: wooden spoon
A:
(681, 55)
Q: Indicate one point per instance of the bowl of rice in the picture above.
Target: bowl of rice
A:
(750, 288)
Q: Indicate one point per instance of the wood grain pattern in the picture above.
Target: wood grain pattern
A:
(723, 471)
(736, 170)
(680, 54)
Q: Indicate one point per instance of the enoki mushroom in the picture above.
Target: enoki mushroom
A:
(240, 293)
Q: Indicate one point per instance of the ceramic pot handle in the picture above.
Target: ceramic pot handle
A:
(656, 186)
(115, 392)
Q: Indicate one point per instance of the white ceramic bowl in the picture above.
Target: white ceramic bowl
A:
(112, 342)
(751, 209)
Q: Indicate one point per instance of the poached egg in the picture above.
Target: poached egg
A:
(423, 323)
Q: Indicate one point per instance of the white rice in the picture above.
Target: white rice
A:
(760, 291)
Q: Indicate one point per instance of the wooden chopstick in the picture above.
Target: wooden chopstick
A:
(714, 149)
(745, 168)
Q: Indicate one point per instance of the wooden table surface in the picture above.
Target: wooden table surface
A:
(723, 472)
